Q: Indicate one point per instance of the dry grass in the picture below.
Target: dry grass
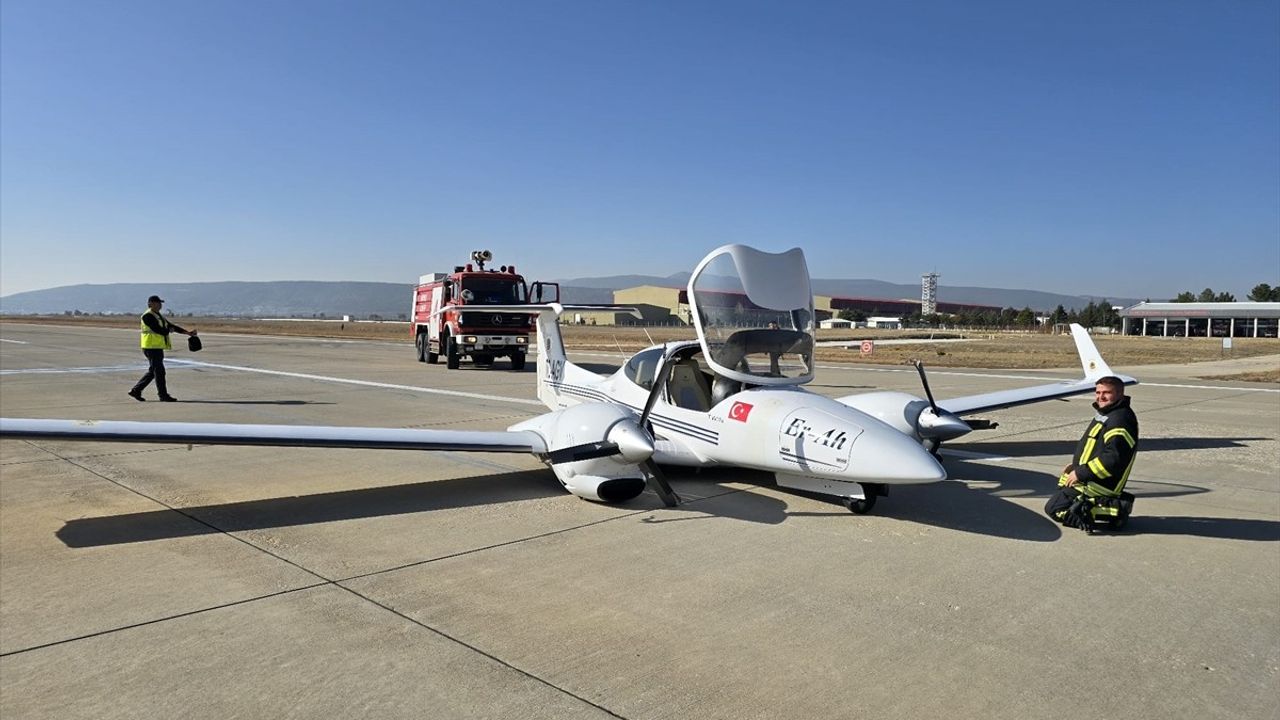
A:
(984, 350)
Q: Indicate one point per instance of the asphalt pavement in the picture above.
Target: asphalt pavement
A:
(220, 582)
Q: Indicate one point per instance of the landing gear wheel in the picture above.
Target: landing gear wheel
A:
(517, 360)
(452, 358)
(860, 506)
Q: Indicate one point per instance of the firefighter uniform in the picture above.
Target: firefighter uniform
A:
(1102, 462)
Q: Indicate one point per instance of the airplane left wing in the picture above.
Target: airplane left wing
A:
(520, 441)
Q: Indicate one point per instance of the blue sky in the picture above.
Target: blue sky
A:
(1120, 149)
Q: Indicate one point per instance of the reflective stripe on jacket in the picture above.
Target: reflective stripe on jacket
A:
(1104, 456)
(152, 340)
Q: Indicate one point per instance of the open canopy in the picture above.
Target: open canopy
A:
(754, 314)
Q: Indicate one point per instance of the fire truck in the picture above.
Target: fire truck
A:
(450, 318)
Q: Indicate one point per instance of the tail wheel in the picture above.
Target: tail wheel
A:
(451, 355)
(517, 360)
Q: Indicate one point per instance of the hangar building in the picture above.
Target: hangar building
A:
(1213, 319)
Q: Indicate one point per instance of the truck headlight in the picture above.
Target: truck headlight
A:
(469, 339)
(522, 340)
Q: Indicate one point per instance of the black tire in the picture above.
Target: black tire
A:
(451, 355)
(861, 507)
(433, 357)
(517, 360)
(420, 344)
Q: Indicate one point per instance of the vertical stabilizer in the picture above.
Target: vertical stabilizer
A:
(1090, 359)
(551, 356)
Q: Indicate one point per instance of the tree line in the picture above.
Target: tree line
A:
(1262, 292)
(1095, 314)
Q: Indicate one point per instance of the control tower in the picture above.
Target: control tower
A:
(929, 293)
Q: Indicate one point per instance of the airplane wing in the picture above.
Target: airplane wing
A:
(1090, 359)
(522, 441)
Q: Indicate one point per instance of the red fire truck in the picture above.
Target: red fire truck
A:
(450, 319)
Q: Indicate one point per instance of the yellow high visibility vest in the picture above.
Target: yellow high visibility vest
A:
(154, 340)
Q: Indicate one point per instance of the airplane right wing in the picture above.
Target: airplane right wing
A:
(1090, 359)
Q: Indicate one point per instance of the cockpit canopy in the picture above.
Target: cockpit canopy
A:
(754, 315)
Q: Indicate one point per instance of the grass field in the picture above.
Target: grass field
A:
(979, 350)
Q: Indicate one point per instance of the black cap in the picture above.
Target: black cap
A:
(154, 298)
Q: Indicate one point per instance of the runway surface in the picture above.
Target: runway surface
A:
(217, 582)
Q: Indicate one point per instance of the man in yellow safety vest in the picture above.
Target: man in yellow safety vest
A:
(155, 340)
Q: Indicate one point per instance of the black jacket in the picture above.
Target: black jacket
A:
(160, 326)
(1106, 452)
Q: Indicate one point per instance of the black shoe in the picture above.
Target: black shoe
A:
(168, 398)
(137, 396)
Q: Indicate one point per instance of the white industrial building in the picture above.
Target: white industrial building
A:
(1214, 319)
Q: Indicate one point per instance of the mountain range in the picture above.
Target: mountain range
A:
(306, 298)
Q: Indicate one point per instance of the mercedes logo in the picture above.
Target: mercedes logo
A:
(497, 319)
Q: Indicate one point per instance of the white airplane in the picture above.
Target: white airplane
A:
(732, 397)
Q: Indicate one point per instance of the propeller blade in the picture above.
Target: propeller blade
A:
(925, 381)
(585, 451)
(659, 382)
(658, 481)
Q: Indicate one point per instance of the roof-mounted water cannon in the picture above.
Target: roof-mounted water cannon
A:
(481, 257)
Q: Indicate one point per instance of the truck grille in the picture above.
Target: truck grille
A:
(513, 321)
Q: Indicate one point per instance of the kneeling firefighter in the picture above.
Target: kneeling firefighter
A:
(1092, 484)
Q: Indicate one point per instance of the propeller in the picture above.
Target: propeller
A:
(941, 425)
(657, 480)
(632, 440)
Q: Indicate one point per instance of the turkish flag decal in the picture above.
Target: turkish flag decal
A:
(740, 411)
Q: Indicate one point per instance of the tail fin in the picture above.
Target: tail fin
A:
(1091, 360)
(555, 373)
(551, 356)
(1094, 366)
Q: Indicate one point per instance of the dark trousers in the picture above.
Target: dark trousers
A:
(155, 371)
(1059, 502)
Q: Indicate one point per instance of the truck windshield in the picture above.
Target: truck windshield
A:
(493, 291)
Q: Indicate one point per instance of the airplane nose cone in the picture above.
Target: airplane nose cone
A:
(886, 455)
(634, 444)
(944, 426)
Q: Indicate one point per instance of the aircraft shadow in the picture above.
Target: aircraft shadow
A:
(948, 505)
(1039, 448)
(255, 402)
(309, 509)
(1209, 527)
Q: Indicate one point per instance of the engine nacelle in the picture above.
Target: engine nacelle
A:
(579, 440)
(908, 414)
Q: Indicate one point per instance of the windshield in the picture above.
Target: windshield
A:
(754, 314)
(492, 291)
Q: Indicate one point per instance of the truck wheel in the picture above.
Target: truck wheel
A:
(420, 343)
(451, 356)
(517, 360)
(433, 357)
